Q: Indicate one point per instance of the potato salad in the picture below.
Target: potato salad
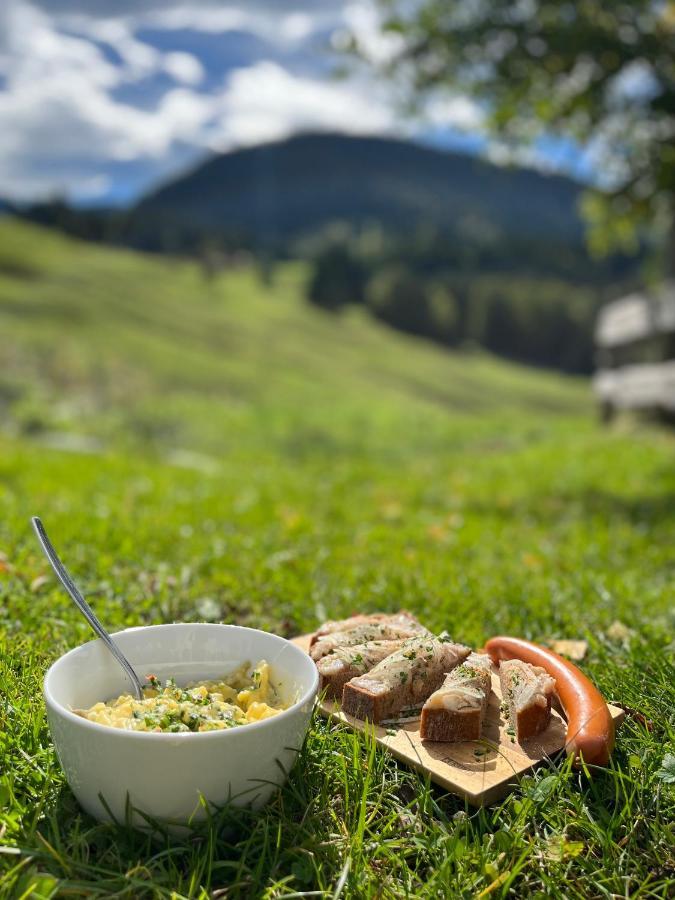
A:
(244, 696)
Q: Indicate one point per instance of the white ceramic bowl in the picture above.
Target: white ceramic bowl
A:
(165, 775)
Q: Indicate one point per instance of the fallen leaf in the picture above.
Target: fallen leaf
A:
(559, 849)
(391, 510)
(290, 518)
(531, 561)
(39, 582)
(634, 714)
(617, 631)
(409, 822)
(437, 532)
(575, 650)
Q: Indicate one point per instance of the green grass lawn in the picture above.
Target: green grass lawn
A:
(219, 451)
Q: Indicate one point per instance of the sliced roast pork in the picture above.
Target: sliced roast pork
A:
(403, 680)
(455, 712)
(393, 629)
(345, 663)
(527, 691)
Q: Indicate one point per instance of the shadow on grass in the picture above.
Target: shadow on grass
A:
(236, 850)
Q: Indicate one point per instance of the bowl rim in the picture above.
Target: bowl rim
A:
(51, 702)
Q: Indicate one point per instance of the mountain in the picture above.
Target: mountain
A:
(281, 191)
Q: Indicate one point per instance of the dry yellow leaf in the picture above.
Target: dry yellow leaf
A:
(575, 650)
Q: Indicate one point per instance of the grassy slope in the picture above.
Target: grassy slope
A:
(256, 462)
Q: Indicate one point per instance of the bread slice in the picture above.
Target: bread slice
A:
(404, 679)
(392, 629)
(455, 712)
(527, 691)
(345, 663)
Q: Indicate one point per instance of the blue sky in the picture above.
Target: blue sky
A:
(101, 99)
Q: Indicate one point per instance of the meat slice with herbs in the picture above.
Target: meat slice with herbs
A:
(333, 626)
(362, 634)
(455, 712)
(345, 663)
(402, 618)
(402, 680)
(527, 691)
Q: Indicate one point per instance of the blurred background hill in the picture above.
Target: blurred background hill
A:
(442, 245)
(105, 348)
(278, 193)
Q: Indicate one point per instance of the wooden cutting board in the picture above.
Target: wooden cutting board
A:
(481, 772)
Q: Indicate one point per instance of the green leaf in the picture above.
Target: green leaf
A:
(543, 790)
(303, 870)
(37, 885)
(667, 771)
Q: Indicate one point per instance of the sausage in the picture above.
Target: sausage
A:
(590, 728)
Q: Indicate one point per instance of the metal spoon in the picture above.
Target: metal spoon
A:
(83, 606)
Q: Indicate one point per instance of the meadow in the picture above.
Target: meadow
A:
(217, 450)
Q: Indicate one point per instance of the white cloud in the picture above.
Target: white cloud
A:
(288, 25)
(283, 23)
(59, 115)
(264, 102)
(454, 112)
(59, 119)
(183, 67)
(36, 52)
(297, 26)
(110, 9)
(138, 59)
(362, 21)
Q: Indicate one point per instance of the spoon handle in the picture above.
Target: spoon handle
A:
(86, 610)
